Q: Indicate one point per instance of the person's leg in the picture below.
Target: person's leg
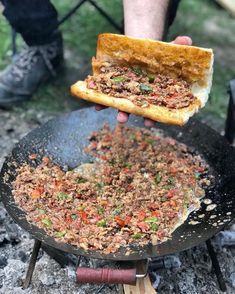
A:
(173, 10)
(36, 21)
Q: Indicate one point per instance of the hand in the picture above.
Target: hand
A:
(122, 117)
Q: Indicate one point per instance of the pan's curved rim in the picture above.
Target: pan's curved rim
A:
(164, 248)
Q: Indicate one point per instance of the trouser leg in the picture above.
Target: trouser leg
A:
(35, 20)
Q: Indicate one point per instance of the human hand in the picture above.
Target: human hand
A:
(122, 117)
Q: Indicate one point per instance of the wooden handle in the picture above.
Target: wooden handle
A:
(106, 276)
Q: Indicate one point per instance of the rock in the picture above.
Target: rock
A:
(46, 279)
(2, 215)
(156, 279)
(3, 261)
(2, 235)
(15, 290)
(232, 279)
(14, 272)
(23, 256)
(232, 228)
(12, 231)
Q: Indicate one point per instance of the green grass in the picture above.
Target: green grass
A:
(204, 21)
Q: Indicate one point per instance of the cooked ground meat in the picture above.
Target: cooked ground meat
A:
(138, 189)
(142, 88)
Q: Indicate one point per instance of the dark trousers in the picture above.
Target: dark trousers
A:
(35, 20)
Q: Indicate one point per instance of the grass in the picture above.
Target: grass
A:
(208, 25)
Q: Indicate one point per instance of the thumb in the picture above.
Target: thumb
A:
(183, 40)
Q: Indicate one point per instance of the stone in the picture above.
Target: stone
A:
(14, 272)
(23, 256)
(12, 231)
(232, 279)
(3, 261)
(46, 279)
(2, 215)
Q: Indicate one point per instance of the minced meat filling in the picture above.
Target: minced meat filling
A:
(142, 88)
(141, 185)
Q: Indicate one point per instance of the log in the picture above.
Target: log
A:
(143, 286)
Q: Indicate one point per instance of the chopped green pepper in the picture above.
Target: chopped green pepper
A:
(137, 70)
(80, 180)
(81, 208)
(186, 203)
(117, 211)
(137, 236)
(62, 196)
(163, 199)
(112, 161)
(102, 223)
(47, 222)
(197, 175)
(154, 227)
(60, 234)
(41, 211)
(171, 181)
(149, 141)
(168, 187)
(127, 164)
(132, 137)
(158, 178)
(100, 185)
(74, 216)
(151, 78)
(100, 209)
(151, 219)
(119, 79)
(145, 88)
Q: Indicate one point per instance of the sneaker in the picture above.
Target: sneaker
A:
(33, 66)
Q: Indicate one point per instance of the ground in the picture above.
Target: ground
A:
(209, 26)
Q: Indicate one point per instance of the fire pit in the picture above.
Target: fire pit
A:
(64, 138)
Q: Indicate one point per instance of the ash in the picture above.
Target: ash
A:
(189, 272)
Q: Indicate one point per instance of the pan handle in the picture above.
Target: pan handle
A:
(106, 276)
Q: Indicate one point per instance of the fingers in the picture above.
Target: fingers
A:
(148, 123)
(183, 40)
(99, 107)
(122, 117)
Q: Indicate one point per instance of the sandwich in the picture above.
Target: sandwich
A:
(162, 81)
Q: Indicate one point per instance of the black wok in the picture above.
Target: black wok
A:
(64, 138)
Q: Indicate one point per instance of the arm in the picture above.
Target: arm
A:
(145, 19)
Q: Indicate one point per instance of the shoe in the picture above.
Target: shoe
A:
(33, 66)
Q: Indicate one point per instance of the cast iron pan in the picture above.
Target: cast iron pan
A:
(64, 138)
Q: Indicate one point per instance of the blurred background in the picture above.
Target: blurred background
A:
(205, 21)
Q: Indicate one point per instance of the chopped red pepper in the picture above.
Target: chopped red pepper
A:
(45, 160)
(103, 157)
(125, 170)
(143, 226)
(171, 193)
(83, 216)
(33, 156)
(130, 188)
(120, 221)
(37, 192)
(155, 213)
(141, 215)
